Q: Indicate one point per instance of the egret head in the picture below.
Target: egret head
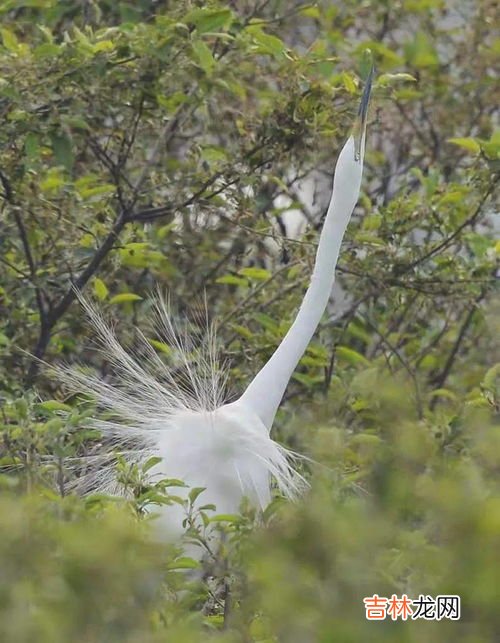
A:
(349, 168)
(359, 128)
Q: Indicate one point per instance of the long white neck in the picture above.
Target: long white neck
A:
(266, 390)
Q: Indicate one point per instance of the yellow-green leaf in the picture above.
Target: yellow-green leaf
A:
(53, 181)
(389, 79)
(183, 563)
(266, 322)
(310, 11)
(259, 274)
(100, 289)
(9, 39)
(443, 393)
(124, 297)
(103, 45)
(491, 377)
(348, 82)
(231, 280)
(468, 143)
(160, 346)
(54, 405)
(242, 330)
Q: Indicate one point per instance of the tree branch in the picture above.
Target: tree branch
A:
(102, 251)
(439, 381)
(446, 242)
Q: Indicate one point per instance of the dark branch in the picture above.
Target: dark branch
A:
(8, 193)
(441, 378)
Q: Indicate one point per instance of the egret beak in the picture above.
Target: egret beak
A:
(359, 129)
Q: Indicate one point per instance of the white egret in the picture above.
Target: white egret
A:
(225, 448)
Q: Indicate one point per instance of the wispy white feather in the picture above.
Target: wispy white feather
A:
(175, 409)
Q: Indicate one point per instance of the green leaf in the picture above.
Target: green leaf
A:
(308, 360)
(103, 45)
(54, 425)
(348, 82)
(215, 622)
(366, 237)
(96, 191)
(54, 405)
(366, 439)
(351, 356)
(62, 148)
(443, 393)
(421, 52)
(100, 289)
(204, 56)
(232, 280)
(242, 330)
(389, 58)
(173, 482)
(491, 378)
(468, 143)
(32, 145)
(46, 31)
(140, 255)
(267, 44)
(235, 518)
(372, 222)
(75, 122)
(455, 196)
(194, 493)
(478, 243)
(172, 101)
(124, 297)
(47, 50)
(9, 39)
(160, 346)
(267, 322)
(53, 181)
(390, 79)
(304, 379)
(183, 563)
(259, 274)
(90, 186)
(491, 148)
(150, 463)
(310, 11)
(206, 20)
(213, 154)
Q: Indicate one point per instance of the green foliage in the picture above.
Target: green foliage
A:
(162, 143)
(69, 574)
(399, 505)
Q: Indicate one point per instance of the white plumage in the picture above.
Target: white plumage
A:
(179, 413)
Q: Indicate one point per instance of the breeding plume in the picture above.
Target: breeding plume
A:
(181, 416)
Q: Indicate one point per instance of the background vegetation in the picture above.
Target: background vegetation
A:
(147, 143)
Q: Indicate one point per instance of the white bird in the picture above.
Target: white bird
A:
(180, 415)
